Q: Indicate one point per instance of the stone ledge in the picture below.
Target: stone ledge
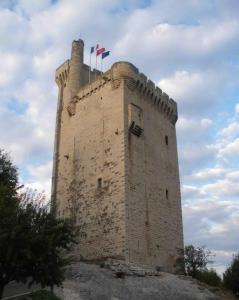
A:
(128, 269)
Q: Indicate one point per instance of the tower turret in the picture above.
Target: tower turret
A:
(76, 66)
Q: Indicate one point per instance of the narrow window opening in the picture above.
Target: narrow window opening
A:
(99, 183)
(166, 194)
(166, 140)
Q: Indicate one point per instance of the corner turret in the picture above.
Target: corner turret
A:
(76, 66)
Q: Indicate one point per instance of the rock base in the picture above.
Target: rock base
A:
(117, 280)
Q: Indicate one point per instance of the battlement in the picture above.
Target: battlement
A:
(62, 73)
(134, 80)
(147, 88)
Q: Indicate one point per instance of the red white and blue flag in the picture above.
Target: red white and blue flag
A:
(98, 51)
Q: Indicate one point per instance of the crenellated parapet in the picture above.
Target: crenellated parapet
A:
(135, 81)
(88, 90)
(62, 73)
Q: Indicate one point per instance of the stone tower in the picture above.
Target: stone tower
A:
(115, 163)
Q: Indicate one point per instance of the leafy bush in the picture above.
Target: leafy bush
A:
(193, 259)
(44, 295)
(231, 276)
(208, 276)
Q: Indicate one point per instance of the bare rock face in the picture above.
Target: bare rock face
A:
(116, 280)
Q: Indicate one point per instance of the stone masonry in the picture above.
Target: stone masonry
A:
(115, 163)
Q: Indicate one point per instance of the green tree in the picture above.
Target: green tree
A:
(9, 232)
(196, 259)
(231, 276)
(33, 243)
(51, 241)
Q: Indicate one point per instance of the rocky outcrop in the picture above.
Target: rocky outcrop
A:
(116, 280)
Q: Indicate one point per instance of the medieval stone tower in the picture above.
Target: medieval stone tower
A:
(115, 163)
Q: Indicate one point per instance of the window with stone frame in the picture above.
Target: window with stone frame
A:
(135, 119)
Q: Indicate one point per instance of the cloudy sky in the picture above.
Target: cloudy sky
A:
(190, 50)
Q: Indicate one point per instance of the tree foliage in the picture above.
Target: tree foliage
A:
(8, 174)
(231, 276)
(193, 259)
(196, 258)
(33, 243)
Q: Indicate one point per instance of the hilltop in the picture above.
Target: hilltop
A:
(116, 280)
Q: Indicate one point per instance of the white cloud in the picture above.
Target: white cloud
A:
(190, 192)
(223, 258)
(41, 171)
(206, 123)
(231, 131)
(231, 148)
(13, 31)
(208, 173)
(173, 45)
(43, 63)
(189, 90)
(187, 125)
(233, 175)
(237, 108)
(217, 229)
(40, 186)
(215, 226)
(196, 154)
(40, 178)
(221, 188)
(32, 7)
(11, 68)
(193, 129)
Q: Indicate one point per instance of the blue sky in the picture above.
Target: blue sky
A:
(190, 50)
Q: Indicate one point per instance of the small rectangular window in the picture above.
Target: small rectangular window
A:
(166, 140)
(166, 194)
(99, 183)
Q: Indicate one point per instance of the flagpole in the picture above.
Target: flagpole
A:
(101, 65)
(90, 67)
(95, 64)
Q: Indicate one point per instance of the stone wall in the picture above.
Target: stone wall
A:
(154, 220)
(91, 172)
